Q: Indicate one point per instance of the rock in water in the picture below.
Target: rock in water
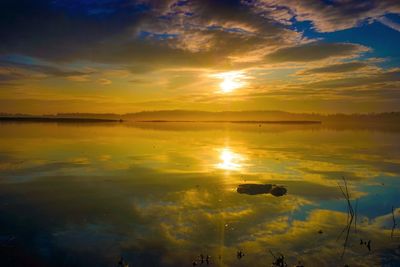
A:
(254, 189)
(278, 191)
(257, 189)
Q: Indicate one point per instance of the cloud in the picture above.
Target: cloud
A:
(336, 68)
(19, 172)
(57, 30)
(149, 35)
(122, 41)
(333, 174)
(315, 51)
(104, 81)
(7, 76)
(391, 24)
(11, 71)
(328, 16)
(46, 69)
(190, 33)
(390, 76)
(79, 78)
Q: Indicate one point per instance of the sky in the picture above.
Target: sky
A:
(115, 56)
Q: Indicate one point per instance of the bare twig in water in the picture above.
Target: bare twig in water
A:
(350, 215)
(394, 223)
(355, 216)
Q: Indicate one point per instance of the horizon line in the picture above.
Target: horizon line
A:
(199, 111)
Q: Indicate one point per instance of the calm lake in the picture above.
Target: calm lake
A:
(161, 194)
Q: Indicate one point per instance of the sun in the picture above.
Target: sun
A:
(231, 80)
(229, 84)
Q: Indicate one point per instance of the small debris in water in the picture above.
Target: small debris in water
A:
(365, 243)
(239, 254)
(208, 258)
(122, 263)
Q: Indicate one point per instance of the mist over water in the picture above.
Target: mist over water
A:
(161, 194)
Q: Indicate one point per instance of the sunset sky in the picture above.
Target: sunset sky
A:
(125, 56)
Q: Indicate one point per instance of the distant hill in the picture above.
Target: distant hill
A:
(187, 115)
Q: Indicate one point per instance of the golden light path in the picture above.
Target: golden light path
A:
(231, 80)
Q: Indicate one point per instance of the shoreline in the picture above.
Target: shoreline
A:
(54, 119)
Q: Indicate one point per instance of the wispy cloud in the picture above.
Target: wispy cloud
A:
(391, 24)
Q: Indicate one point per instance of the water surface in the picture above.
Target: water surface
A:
(161, 194)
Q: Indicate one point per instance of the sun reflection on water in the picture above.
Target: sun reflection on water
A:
(230, 160)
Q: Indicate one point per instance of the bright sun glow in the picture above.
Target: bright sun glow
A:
(230, 161)
(231, 80)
